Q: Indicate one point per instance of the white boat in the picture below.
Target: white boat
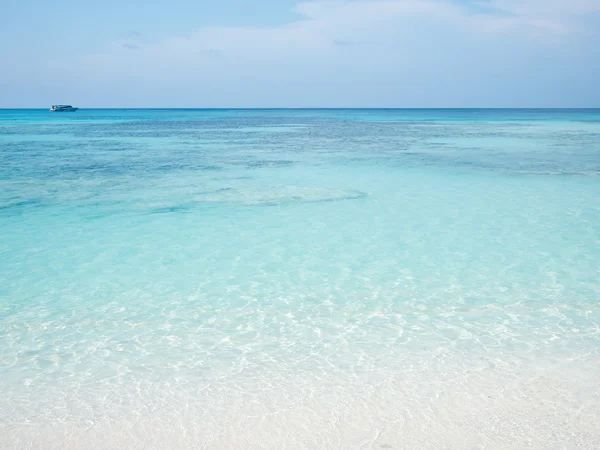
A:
(63, 108)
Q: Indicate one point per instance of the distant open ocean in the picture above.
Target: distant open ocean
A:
(299, 279)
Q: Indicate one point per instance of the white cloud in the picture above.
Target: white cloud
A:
(546, 8)
(401, 45)
(325, 22)
(559, 16)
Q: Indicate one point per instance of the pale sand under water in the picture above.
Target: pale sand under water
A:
(299, 279)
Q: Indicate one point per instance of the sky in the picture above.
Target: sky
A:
(290, 53)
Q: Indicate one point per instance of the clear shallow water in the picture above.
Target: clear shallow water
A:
(299, 279)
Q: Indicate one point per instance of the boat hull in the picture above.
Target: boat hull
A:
(63, 108)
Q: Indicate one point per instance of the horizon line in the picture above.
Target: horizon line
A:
(241, 108)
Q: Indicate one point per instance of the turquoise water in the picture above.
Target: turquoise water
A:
(300, 279)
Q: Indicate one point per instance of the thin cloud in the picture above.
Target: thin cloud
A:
(369, 21)
(407, 48)
(342, 43)
(131, 46)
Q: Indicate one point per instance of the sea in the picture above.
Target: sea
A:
(300, 279)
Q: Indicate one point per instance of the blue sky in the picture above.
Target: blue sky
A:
(286, 53)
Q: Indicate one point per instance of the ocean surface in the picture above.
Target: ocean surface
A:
(299, 279)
